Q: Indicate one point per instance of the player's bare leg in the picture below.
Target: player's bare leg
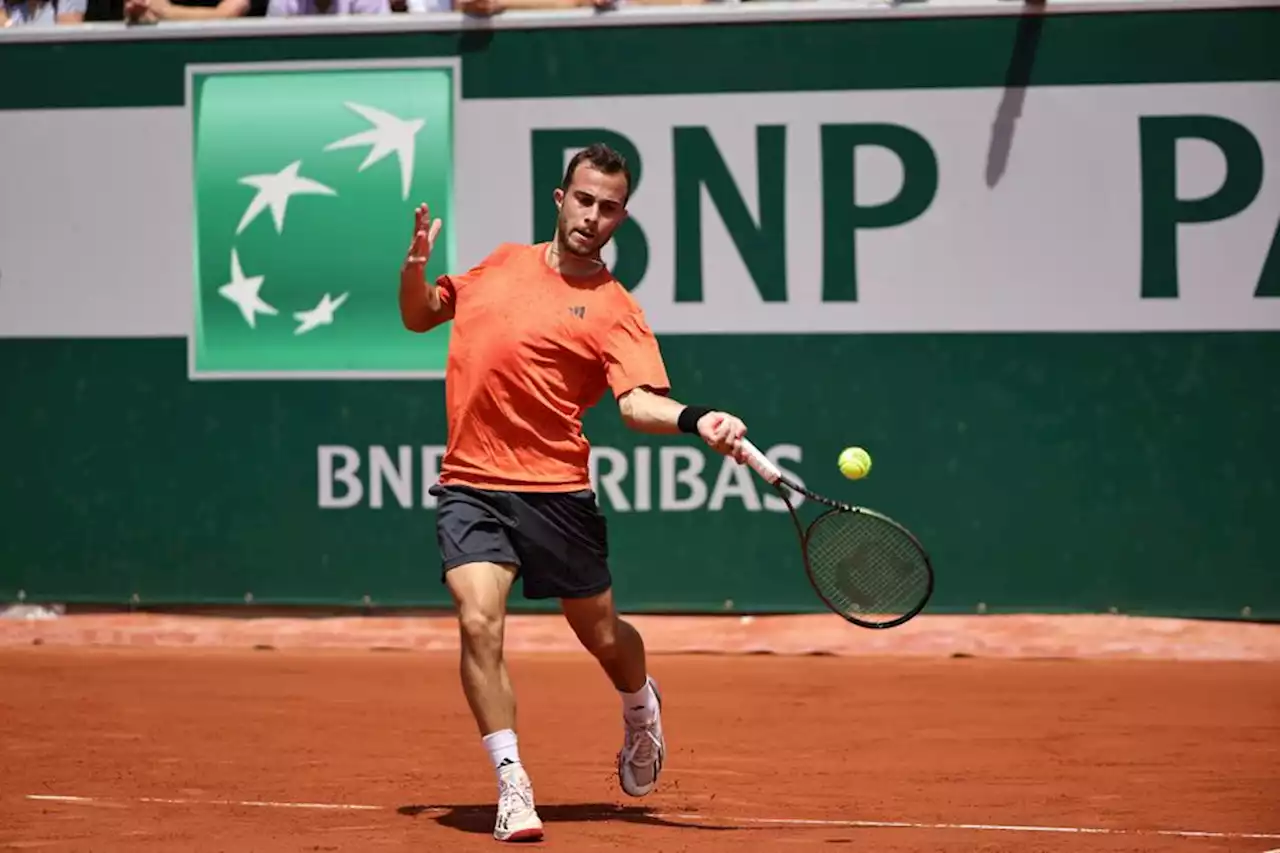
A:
(480, 593)
(619, 648)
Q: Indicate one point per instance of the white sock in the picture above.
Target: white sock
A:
(502, 748)
(641, 706)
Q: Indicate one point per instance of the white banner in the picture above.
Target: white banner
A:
(1046, 215)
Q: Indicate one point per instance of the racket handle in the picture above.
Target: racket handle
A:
(757, 460)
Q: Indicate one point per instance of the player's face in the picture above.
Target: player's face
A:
(591, 209)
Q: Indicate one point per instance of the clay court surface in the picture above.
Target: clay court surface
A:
(239, 750)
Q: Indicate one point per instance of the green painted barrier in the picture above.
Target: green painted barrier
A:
(1031, 263)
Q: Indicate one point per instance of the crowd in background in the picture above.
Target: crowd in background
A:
(15, 13)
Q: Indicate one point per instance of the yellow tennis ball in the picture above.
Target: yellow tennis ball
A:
(855, 463)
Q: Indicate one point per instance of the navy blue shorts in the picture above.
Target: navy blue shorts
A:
(558, 541)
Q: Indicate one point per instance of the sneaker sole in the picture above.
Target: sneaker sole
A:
(522, 835)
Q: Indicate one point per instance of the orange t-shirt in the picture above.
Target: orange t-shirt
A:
(530, 352)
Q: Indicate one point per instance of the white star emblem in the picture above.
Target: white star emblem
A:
(321, 315)
(244, 293)
(388, 135)
(274, 191)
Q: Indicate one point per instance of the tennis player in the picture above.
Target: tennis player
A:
(540, 333)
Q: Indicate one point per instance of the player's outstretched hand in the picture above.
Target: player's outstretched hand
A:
(723, 433)
(424, 237)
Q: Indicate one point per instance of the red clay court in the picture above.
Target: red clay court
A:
(140, 733)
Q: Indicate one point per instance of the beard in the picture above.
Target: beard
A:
(589, 250)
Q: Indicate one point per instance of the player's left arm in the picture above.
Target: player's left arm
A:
(638, 377)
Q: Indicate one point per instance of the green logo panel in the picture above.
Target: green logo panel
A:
(305, 181)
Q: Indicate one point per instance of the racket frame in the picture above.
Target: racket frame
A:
(774, 476)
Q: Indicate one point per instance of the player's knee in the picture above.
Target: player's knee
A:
(597, 625)
(481, 629)
(602, 639)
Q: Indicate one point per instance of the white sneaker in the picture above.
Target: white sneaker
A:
(643, 751)
(517, 818)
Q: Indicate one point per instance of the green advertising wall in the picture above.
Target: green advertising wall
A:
(1132, 466)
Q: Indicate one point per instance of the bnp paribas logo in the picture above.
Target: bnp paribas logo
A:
(305, 180)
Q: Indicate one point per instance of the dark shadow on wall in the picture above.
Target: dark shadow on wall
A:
(1016, 79)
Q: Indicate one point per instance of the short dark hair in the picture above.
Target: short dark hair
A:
(602, 157)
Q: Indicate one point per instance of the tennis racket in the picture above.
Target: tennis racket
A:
(865, 567)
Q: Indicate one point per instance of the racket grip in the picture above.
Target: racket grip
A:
(757, 460)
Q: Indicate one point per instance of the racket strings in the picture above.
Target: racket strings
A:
(867, 567)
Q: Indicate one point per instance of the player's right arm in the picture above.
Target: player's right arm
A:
(635, 371)
(423, 306)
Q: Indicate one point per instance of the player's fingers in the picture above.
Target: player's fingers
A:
(435, 229)
(418, 249)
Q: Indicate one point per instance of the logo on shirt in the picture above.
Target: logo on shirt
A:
(578, 311)
(305, 180)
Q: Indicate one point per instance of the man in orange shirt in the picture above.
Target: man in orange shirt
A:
(540, 333)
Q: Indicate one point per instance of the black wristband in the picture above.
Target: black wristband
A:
(689, 417)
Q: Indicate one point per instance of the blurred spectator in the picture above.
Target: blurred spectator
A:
(41, 13)
(151, 11)
(283, 8)
(487, 8)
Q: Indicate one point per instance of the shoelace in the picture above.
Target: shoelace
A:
(514, 794)
(642, 745)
